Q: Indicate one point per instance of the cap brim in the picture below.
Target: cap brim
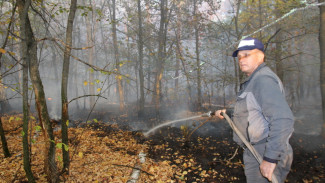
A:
(235, 53)
(244, 48)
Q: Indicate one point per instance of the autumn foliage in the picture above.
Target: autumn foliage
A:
(96, 155)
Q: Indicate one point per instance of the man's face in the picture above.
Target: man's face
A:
(249, 60)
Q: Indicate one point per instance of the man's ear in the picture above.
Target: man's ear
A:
(260, 56)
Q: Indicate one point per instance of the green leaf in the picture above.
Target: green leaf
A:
(22, 133)
(67, 123)
(59, 158)
(95, 120)
(66, 147)
(18, 118)
(59, 145)
(38, 128)
(99, 12)
(32, 117)
(33, 141)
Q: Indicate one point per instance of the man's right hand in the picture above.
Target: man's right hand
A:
(218, 113)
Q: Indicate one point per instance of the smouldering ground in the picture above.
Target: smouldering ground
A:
(105, 153)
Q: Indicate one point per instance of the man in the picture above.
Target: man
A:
(262, 115)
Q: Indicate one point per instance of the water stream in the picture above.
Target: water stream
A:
(146, 134)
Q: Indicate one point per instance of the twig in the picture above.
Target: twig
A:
(6, 131)
(86, 96)
(188, 137)
(232, 157)
(15, 177)
(134, 168)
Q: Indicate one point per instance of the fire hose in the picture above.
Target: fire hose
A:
(242, 137)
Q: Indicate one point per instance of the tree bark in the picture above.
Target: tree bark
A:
(4, 104)
(64, 85)
(140, 59)
(198, 62)
(117, 58)
(322, 60)
(4, 141)
(90, 43)
(178, 48)
(236, 69)
(160, 62)
(278, 46)
(29, 46)
(23, 15)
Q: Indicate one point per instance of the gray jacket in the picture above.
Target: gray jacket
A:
(262, 114)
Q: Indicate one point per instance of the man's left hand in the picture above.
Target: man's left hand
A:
(267, 169)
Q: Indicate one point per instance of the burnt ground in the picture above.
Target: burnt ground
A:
(210, 154)
(217, 154)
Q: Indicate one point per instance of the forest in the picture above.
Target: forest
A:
(82, 82)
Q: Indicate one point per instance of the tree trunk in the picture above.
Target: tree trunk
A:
(178, 54)
(141, 76)
(197, 52)
(29, 46)
(117, 58)
(64, 85)
(4, 104)
(236, 69)
(75, 64)
(4, 141)
(260, 20)
(278, 46)
(90, 43)
(322, 60)
(24, 23)
(161, 55)
(26, 151)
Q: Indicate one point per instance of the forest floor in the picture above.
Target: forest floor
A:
(108, 152)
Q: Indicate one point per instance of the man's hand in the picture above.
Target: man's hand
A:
(267, 169)
(218, 113)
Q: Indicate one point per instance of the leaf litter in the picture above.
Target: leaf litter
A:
(105, 153)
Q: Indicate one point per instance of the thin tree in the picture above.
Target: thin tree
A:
(178, 49)
(161, 55)
(140, 59)
(5, 148)
(117, 57)
(236, 70)
(278, 45)
(29, 47)
(91, 50)
(322, 59)
(64, 86)
(197, 52)
(23, 15)
(3, 102)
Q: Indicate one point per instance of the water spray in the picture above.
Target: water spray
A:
(208, 114)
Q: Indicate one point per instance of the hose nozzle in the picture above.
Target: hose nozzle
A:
(208, 114)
